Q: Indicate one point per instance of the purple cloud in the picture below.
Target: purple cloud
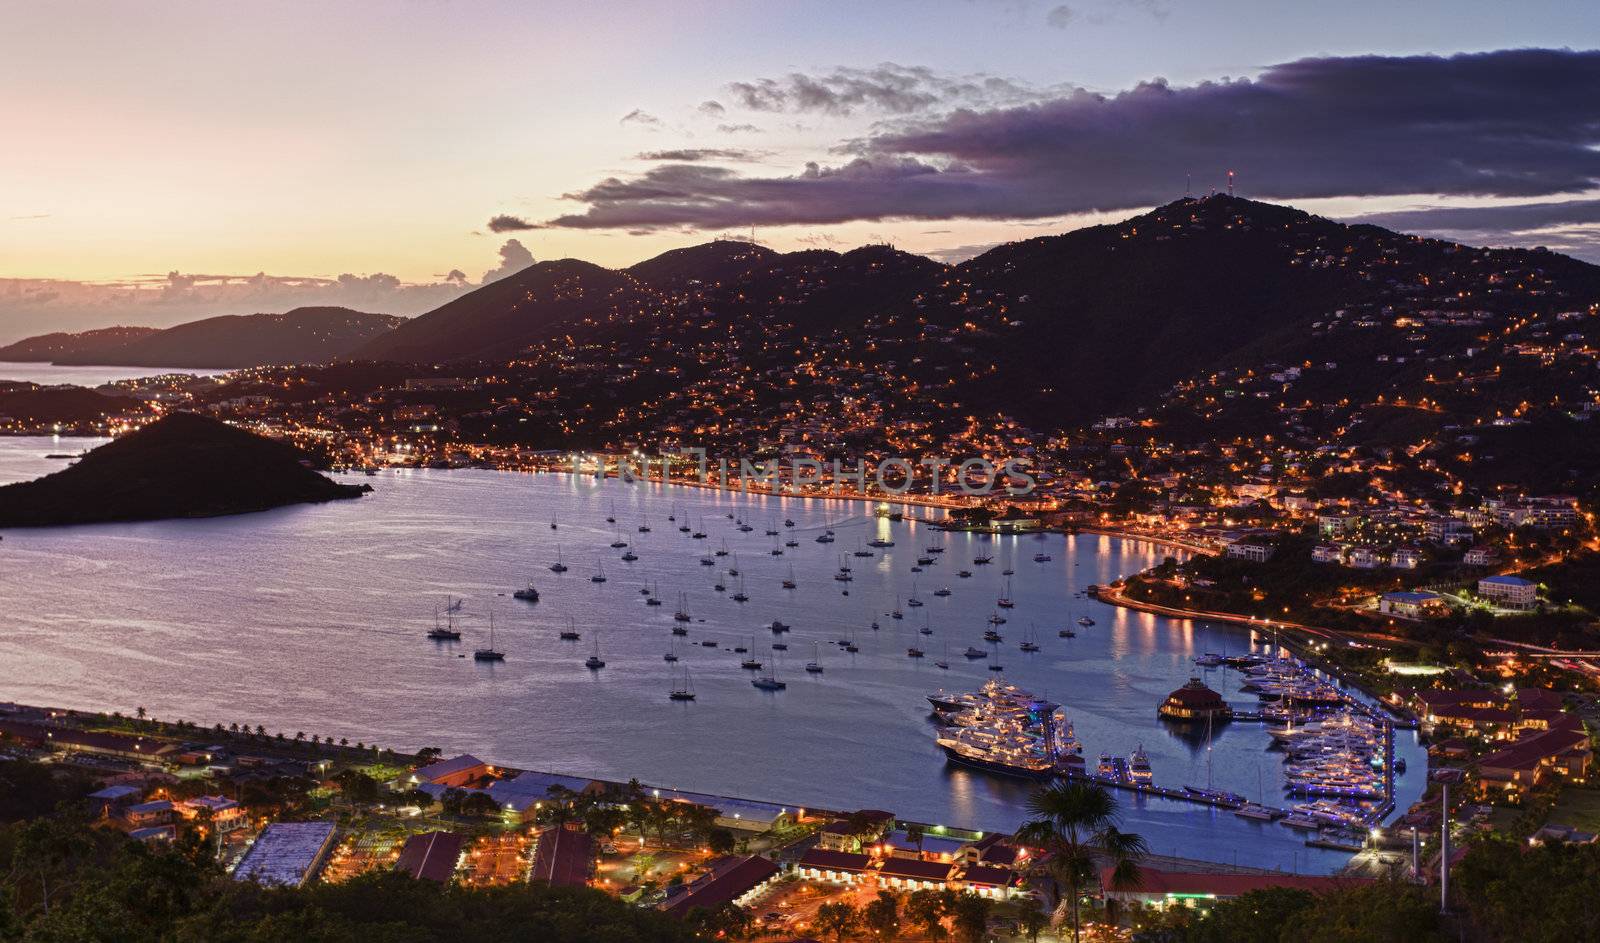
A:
(1509, 123)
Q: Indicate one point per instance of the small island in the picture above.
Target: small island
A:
(184, 465)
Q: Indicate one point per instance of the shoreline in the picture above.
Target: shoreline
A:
(302, 750)
(1108, 594)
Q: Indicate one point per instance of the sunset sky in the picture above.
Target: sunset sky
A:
(154, 149)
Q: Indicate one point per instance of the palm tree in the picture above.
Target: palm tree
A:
(1076, 823)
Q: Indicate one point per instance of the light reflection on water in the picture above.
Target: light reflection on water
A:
(312, 618)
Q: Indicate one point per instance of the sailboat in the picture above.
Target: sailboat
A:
(734, 570)
(653, 598)
(644, 525)
(552, 523)
(751, 663)
(1028, 643)
(1005, 602)
(700, 532)
(570, 633)
(776, 551)
(769, 681)
(944, 658)
(912, 600)
(529, 593)
(490, 653)
(684, 691)
(814, 666)
(558, 566)
(672, 653)
(441, 634)
(612, 517)
(896, 613)
(682, 615)
(740, 595)
(593, 662)
(723, 550)
(789, 583)
(599, 573)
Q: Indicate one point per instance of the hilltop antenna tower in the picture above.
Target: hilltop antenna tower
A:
(1188, 185)
(1230, 183)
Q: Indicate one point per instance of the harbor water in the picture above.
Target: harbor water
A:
(313, 619)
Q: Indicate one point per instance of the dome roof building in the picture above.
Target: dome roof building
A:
(1195, 701)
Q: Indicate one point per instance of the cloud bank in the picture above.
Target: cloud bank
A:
(31, 306)
(1513, 123)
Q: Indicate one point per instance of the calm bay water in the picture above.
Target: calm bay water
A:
(51, 374)
(312, 618)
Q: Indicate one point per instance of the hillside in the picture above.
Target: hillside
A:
(1055, 330)
(503, 316)
(303, 335)
(184, 465)
(88, 344)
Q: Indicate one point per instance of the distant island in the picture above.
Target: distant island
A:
(184, 465)
(303, 335)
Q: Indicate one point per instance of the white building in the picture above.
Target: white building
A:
(1255, 553)
(1509, 592)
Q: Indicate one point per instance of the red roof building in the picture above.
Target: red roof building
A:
(563, 857)
(431, 856)
(735, 881)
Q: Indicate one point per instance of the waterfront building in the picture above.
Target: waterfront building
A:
(855, 831)
(1194, 701)
(911, 874)
(996, 851)
(431, 856)
(1562, 750)
(928, 847)
(993, 883)
(70, 740)
(735, 881)
(1509, 592)
(1160, 890)
(833, 867)
(286, 854)
(458, 771)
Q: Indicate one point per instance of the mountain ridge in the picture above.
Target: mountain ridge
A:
(312, 334)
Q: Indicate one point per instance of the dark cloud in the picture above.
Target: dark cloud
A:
(1514, 123)
(1061, 17)
(891, 88)
(508, 223)
(738, 129)
(640, 117)
(712, 108)
(1517, 217)
(693, 154)
(1568, 225)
